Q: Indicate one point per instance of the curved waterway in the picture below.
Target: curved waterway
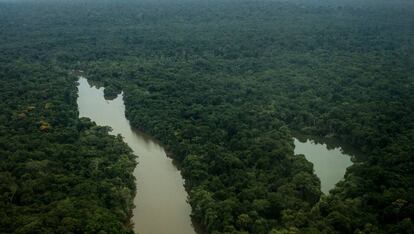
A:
(161, 200)
(329, 164)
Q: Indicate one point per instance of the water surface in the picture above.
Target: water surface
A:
(329, 163)
(161, 200)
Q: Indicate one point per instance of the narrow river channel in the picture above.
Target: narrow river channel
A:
(161, 200)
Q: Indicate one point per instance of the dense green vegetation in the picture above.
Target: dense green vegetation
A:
(58, 173)
(222, 84)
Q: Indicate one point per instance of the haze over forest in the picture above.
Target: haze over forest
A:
(224, 88)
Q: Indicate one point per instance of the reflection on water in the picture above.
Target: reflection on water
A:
(161, 205)
(329, 163)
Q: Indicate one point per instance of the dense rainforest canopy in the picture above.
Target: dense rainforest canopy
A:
(223, 84)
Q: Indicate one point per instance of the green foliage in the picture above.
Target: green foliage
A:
(221, 84)
(68, 177)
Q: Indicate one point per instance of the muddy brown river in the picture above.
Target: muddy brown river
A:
(161, 200)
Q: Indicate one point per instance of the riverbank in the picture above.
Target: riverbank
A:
(161, 197)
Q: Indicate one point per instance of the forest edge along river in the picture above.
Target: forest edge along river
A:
(161, 200)
(161, 205)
